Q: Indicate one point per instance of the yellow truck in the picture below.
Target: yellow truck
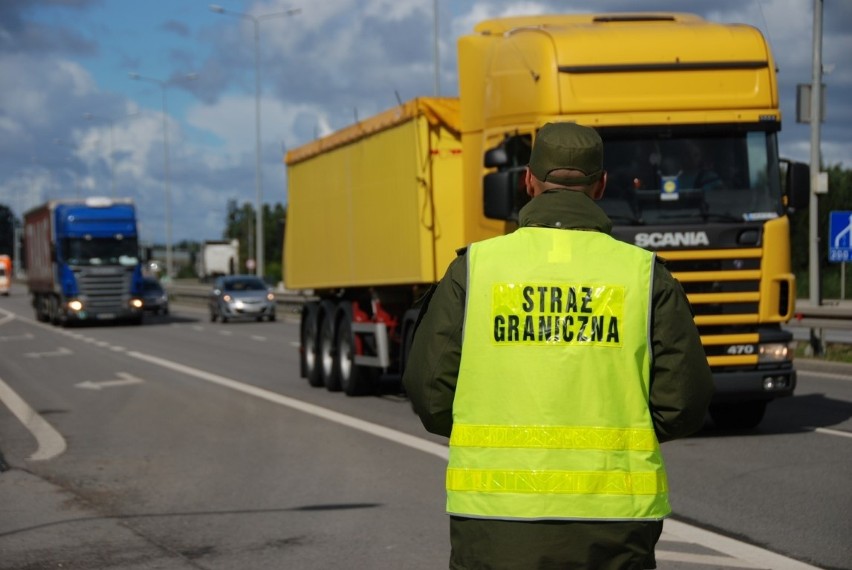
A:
(688, 110)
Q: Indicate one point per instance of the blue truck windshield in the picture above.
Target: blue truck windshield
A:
(671, 179)
(100, 251)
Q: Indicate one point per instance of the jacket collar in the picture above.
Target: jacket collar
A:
(565, 209)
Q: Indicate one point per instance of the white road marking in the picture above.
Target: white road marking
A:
(50, 442)
(61, 351)
(703, 559)
(258, 338)
(380, 431)
(125, 379)
(837, 432)
(742, 552)
(27, 336)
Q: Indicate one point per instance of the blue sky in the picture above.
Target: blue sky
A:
(60, 59)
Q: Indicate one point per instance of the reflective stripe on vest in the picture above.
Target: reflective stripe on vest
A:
(550, 416)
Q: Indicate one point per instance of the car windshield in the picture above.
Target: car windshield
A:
(151, 286)
(689, 177)
(100, 251)
(244, 285)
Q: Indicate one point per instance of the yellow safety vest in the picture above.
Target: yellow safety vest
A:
(550, 416)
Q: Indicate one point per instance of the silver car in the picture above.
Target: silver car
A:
(241, 297)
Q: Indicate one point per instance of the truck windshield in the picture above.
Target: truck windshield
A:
(100, 251)
(673, 178)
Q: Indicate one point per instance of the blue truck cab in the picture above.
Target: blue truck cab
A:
(83, 261)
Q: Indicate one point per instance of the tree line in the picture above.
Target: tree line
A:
(239, 224)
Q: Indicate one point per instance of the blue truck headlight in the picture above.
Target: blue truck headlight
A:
(75, 305)
(136, 303)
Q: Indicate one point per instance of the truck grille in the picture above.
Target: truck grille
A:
(105, 288)
(724, 288)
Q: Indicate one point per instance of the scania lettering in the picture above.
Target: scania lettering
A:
(690, 120)
(659, 240)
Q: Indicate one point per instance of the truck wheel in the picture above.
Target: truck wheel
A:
(355, 380)
(53, 311)
(39, 308)
(328, 346)
(738, 415)
(309, 342)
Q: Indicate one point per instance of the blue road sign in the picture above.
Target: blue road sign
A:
(840, 236)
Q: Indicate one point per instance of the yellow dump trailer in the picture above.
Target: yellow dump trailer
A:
(688, 111)
(375, 214)
(379, 203)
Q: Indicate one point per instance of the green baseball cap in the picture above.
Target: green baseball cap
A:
(568, 146)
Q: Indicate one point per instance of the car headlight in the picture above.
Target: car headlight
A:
(226, 298)
(774, 352)
(270, 296)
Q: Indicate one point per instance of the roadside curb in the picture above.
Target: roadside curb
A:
(818, 365)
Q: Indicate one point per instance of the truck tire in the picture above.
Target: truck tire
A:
(309, 341)
(355, 380)
(53, 311)
(738, 415)
(328, 346)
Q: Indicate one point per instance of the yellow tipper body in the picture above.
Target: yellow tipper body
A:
(379, 202)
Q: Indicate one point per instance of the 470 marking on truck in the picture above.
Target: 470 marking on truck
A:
(741, 349)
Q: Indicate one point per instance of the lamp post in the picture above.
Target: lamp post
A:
(258, 175)
(71, 171)
(111, 121)
(166, 170)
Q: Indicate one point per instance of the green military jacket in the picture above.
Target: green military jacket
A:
(681, 389)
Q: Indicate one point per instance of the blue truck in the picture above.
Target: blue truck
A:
(82, 261)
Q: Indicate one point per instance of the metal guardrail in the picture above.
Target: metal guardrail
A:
(199, 293)
(829, 314)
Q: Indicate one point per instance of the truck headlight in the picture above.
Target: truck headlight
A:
(136, 303)
(75, 305)
(774, 352)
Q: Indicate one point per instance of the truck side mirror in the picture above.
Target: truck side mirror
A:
(498, 197)
(504, 194)
(797, 183)
(496, 157)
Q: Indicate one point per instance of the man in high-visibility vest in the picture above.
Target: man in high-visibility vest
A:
(556, 359)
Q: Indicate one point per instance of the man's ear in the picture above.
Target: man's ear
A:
(528, 183)
(599, 189)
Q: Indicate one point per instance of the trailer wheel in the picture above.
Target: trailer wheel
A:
(355, 380)
(39, 308)
(310, 345)
(328, 346)
(738, 415)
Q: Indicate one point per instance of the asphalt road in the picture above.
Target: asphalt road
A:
(187, 444)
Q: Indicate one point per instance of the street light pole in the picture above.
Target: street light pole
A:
(111, 121)
(166, 166)
(258, 174)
